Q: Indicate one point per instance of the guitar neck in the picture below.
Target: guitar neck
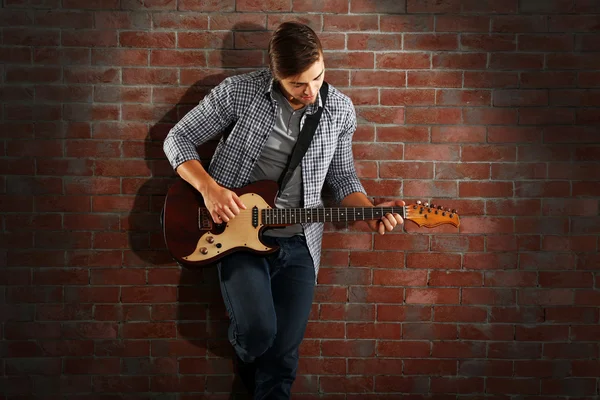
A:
(289, 216)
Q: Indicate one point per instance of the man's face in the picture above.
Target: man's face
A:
(302, 90)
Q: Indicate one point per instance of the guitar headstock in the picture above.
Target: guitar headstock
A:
(431, 215)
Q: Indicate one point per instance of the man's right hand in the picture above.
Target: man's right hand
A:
(222, 203)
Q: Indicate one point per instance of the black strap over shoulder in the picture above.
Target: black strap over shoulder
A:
(304, 139)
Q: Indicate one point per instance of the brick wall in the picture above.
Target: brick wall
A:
(490, 107)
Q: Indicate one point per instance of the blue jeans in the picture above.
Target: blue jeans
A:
(269, 299)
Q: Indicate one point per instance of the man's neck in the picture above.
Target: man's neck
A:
(295, 104)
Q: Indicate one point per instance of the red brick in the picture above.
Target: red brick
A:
(31, 37)
(573, 61)
(490, 79)
(488, 42)
(571, 243)
(406, 23)
(553, 42)
(434, 79)
(455, 278)
(453, 349)
(89, 38)
(357, 60)
(374, 42)
(366, 6)
(519, 23)
(399, 278)
(572, 23)
(546, 116)
(548, 79)
(457, 134)
(91, 75)
(373, 331)
(513, 386)
(147, 39)
(462, 23)
(203, 6)
(347, 23)
(312, 20)
(566, 279)
(406, 170)
(383, 79)
(486, 332)
(494, 153)
(463, 97)
(381, 115)
(438, 152)
(433, 115)
(13, 55)
(33, 74)
(377, 259)
(485, 189)
(122, 20)
(511, 98)
(490, 116)
(516, 61)
(431, 41)
(346, 384)
(432, 296)
(119, 57)
(459, 60)
(411, 60)
(344, 276)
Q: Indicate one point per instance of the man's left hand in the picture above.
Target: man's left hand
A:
(389, 221)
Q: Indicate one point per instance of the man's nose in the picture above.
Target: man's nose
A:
(310, 90)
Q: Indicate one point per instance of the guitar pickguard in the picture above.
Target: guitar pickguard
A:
(239, 233)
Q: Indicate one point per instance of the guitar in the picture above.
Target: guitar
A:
(194, 239)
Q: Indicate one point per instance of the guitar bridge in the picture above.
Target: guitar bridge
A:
(204, 219)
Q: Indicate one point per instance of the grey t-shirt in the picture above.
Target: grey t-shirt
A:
(274, 157)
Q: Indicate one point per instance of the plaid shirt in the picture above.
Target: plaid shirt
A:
(247, 101)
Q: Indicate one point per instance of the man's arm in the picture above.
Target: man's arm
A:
(204, 122)
(346, 186)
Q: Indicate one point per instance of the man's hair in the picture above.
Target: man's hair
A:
(293, 48)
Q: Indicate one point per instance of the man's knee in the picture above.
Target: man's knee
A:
(257, 338)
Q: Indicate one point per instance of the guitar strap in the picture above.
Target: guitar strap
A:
(304, 139)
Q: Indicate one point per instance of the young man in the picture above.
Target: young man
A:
(269, 298)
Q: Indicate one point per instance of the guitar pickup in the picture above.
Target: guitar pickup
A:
(204, 219)
(255, 216)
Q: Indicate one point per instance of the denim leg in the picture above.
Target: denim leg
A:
(246, 290)
(292, 288)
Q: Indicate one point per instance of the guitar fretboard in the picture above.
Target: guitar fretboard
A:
(288, 216)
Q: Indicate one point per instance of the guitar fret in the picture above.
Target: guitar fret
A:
(290, 216)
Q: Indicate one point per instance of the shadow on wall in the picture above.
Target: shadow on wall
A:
(201, 318)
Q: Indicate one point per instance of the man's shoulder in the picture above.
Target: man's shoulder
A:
(337, 100)
(257, 78)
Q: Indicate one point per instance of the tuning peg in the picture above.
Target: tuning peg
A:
(454, 211)
(440, 208)
(432, 205)
(419, 202)
(426, 204)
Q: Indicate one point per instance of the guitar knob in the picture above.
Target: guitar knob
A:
(426, 204)
(419, 202)
(440, 208)
(432, 205)
(210, 239)
(203, 250)
(454, 211)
